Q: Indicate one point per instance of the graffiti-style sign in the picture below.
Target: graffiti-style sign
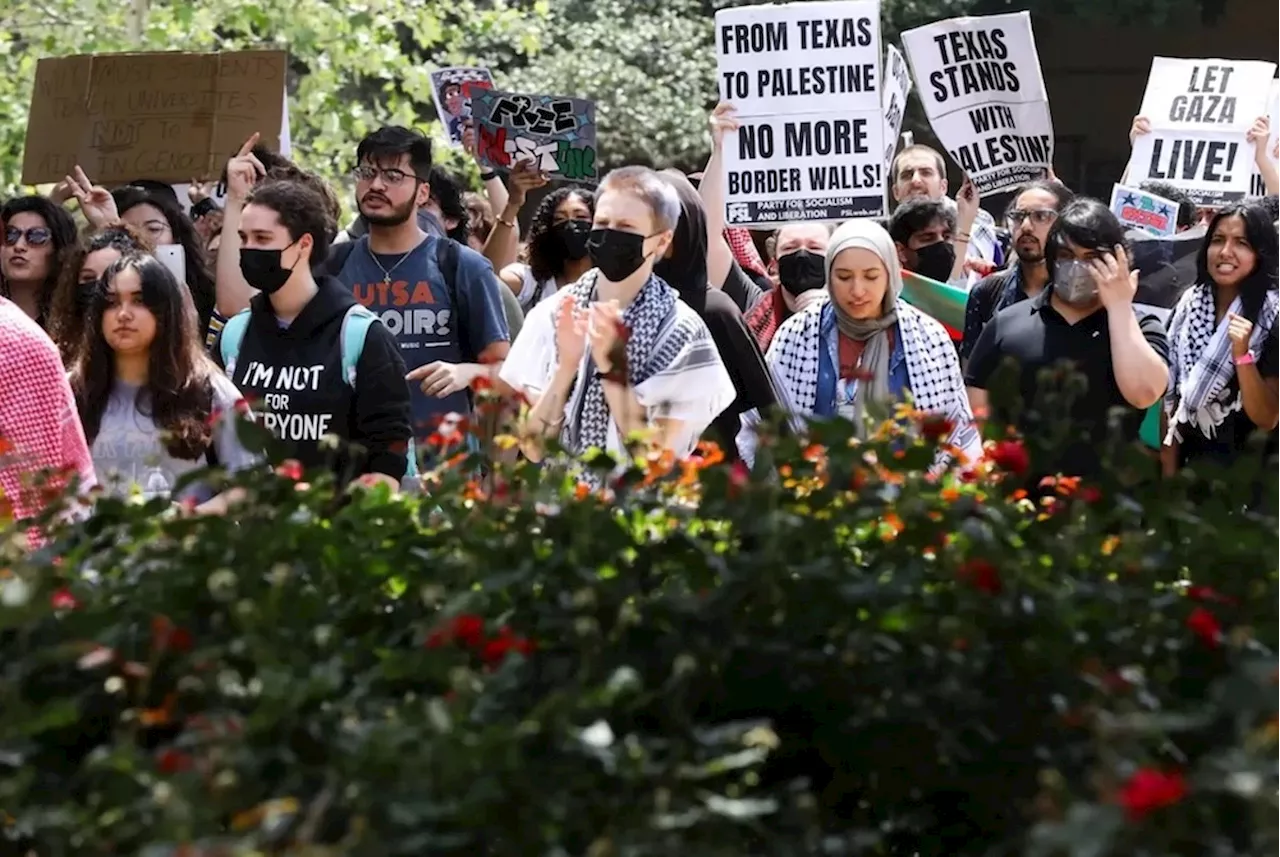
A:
(558, 133)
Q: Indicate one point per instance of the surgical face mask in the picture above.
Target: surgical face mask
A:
(262, 269)
(1073, 283)
(936, 261)
(802, 271)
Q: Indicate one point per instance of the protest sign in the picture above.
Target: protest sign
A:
(1199, 110)
(893, 102)
(557, 132)
(1257, 187)
(980, 83)
(453, 89)
(1145, 211)
(805, 80)
(166, 116)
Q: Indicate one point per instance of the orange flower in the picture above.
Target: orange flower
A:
(707, 454)
(891, 526)
(814, 453)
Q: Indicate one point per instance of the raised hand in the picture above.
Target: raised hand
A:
(723, 120)
(1141, 125)
(244, 170)
(97, 203)
(1117, 285)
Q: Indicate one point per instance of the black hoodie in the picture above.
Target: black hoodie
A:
(292, 376)
(685, 270)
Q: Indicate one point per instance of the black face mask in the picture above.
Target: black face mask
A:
(571, 238)
(802, 271)
(262, 269)
(936, 261)
(617, 254)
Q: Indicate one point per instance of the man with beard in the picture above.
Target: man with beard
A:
(1032, 212)
(440, 299)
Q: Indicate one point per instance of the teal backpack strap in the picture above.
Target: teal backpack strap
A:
(232, 337)
(355, 328)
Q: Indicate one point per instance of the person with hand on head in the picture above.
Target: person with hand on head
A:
(799, 251)
(617, 352)
(154, 406)
(39, 235)
(867, 348)
(1084, 319)
(1223, 361)
(319, 364)
(556, 252)
(1030, 215)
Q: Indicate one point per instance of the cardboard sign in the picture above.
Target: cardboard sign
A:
(557, 132)
(980, 83)
(166, 116)
(453, 89)
(897, 86)
(1199, 111)
(1145, 211)
(805, 79)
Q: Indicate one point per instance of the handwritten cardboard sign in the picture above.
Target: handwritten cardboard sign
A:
(166, 116)
(557, 132)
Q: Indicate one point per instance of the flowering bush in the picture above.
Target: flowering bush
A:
(836, 654)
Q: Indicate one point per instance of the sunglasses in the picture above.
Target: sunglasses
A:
(37, 236)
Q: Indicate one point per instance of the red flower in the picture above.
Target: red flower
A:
(165, 635)
(481, 383)
(1012, 456)
(1149, 789)
(64, 600)
(1090, 494)
(290, 469)
(1209, 594)
(739, 475)
(1205, 626)
(173, 762)
(496, 650)
(466, 628)
(981, 575)
(935, 427)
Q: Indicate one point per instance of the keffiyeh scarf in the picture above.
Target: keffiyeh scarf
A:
(766, 316)
(1200, 363)
(744, 249)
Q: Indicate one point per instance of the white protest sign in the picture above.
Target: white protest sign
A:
(1199, 110)
(1257, 187)
(893, 101)
(1145, 211)
(805, 80)
(980, 83)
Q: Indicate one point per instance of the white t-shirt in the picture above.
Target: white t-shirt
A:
(532, 292)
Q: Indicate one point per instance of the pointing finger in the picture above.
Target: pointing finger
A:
(247, 148)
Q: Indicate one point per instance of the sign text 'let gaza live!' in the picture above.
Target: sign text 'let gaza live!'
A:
(805, 80)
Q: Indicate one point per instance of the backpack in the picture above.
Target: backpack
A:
(355, 327)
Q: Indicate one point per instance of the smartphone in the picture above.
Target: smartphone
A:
(174, 258)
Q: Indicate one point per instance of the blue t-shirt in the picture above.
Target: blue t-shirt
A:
(417, 307)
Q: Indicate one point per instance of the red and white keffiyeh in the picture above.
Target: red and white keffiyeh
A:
(744, 249)
(39, 426)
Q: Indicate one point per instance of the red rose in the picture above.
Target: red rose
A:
(496, 650)
(981, 575)
(1149, 789)
(936, 427)
(1209, 594)
(466, 628)
(173, 762)
(290, 469)
(1205, 626)
(1012, 456)
(64, 600)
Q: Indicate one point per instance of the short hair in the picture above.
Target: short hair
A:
(1186, 208)
(392, 141)
(918, 214)
(1086, 223)
(1060, 192)
(918, 148)
(650, 188)
(301, 211)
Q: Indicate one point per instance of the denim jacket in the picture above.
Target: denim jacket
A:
(829, 361)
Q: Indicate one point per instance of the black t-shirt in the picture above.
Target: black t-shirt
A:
(988, 296)
(1232, 436)
(1047, 403)
(741, 288)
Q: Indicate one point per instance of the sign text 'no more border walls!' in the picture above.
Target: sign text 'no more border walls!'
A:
(980, 83)
(167, 116)
(805, 79)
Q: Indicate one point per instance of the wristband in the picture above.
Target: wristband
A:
(1246, 359)
(488, 176)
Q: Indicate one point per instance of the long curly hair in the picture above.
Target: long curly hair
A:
(543, 253)
(199, 278)
(178, 395)
(1261, 234)
(61, 227)
(71, 296)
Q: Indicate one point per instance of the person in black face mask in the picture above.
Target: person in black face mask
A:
(922, 230)
(556, 253)
(800, 251)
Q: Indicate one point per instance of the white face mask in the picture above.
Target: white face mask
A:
(1073, 283)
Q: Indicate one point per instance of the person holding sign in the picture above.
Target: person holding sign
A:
(1084, 318)
(866, 348)
(1223, 365)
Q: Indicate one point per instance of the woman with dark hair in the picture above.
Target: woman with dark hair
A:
(39, 235)
(159, 217)
(153, 405)
(1223, 363)
(84, 267)
(556, 252)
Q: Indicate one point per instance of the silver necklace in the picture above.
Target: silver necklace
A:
(386, 272)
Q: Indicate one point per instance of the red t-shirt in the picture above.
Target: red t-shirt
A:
(850, 353)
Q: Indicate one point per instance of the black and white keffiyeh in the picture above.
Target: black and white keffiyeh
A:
(1200, 361)
(937, 386)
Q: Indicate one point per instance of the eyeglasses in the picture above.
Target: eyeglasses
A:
(37, 236)
(393, 176)
(1039, 216)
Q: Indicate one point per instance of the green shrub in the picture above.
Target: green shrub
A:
(834, 657)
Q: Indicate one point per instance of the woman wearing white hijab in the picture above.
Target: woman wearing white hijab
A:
(864, 344)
